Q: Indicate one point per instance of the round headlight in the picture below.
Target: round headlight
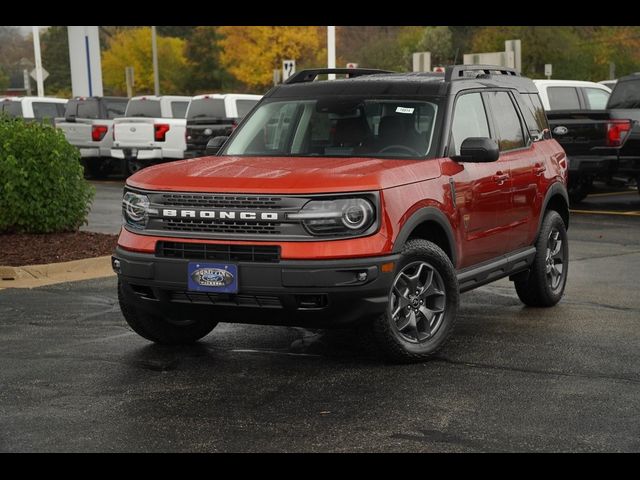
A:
(355, 216)
(136, 207)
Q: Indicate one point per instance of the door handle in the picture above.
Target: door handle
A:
(500, 177)
(539, 169)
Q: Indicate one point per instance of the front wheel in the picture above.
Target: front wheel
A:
(422, 307)
(544, 286)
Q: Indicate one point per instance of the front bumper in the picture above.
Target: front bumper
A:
(291, 292)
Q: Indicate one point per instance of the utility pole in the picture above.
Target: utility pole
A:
(331, 50)
(38, 58)
(154, 52)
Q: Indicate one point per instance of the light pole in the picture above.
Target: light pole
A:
(154, 53)
(331, 50)
(38, 59)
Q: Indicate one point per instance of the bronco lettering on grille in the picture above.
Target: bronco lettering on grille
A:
(220, 214)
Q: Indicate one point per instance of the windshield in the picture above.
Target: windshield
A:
(338, 127)
(206, 107)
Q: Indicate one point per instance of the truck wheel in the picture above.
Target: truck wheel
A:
(133, 166)
(578, 190)
(544, 286)
(98, 168)
(161, 330)
(423, 303)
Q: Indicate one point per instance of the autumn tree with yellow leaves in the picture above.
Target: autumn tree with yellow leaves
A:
(132, 47)
(251, 53)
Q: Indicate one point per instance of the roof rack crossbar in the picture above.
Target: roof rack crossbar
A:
(310, 75)
(457, 71)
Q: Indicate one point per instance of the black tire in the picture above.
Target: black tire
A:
(132, 166)
(538, 289)
(579, 190)
(98, 168)
(397, 346)
(161, 330)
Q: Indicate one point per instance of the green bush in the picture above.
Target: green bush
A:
(42, 187)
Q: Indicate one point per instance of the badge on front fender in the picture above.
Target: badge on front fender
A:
(213, 277)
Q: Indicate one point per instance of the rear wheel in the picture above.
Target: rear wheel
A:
(544, 286)
(133, 166)
(578, 189)
(98, 168)
(423, 303)
(162, 330)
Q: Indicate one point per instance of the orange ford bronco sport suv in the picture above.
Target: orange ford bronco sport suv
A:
(375, 198)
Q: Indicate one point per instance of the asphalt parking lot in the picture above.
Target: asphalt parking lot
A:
(75, 378)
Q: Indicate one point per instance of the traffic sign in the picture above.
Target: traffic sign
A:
(45, 74)
(352, 65)
(547, 70)
(288, 69)
(438, 69)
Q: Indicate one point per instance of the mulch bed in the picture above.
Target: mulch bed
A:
(33, 249)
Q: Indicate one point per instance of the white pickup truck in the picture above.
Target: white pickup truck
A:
(88, 125)
(42, 109)
(152, 131)
(572, 95)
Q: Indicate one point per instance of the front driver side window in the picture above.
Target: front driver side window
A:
(469, 120)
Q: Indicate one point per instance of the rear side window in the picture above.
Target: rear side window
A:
(42, 110)
(206, 108)
(625, 95)
(115, 108)
(144, 108)
(563, 98)
(533, 112)
(245, 106)
(179, 109)
(11, 109)
(596, 98)
(507, 122)
(469, 120)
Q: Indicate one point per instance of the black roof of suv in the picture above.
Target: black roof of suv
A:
(380, 82)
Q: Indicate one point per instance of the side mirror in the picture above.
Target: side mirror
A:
(214, 145)
(478, 149)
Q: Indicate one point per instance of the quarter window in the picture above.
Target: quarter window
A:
(563, 98)
(507, 122)
(469, 120)
(596, 98)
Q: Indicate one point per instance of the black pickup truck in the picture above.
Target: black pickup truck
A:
(214, 115)
(601, 144)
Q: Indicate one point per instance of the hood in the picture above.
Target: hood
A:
(283, 175)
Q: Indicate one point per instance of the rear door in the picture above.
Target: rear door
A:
(482, 189)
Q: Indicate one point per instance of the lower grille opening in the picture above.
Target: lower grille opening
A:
(225, 299)
(220, 252)
(312, 301)
(143, 291)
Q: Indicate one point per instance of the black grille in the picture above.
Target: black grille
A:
(225, 299)
(221, 201)
(214, 251)
(220, 226)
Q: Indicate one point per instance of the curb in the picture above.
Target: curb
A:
(31, 276)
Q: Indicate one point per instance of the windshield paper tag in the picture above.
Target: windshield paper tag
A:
(404, 110)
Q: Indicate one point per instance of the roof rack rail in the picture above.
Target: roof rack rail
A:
(310, 75)
(457, 71)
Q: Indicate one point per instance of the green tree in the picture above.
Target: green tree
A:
(132, 47)
(438, 41)
(55, 59)
(203, 60)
